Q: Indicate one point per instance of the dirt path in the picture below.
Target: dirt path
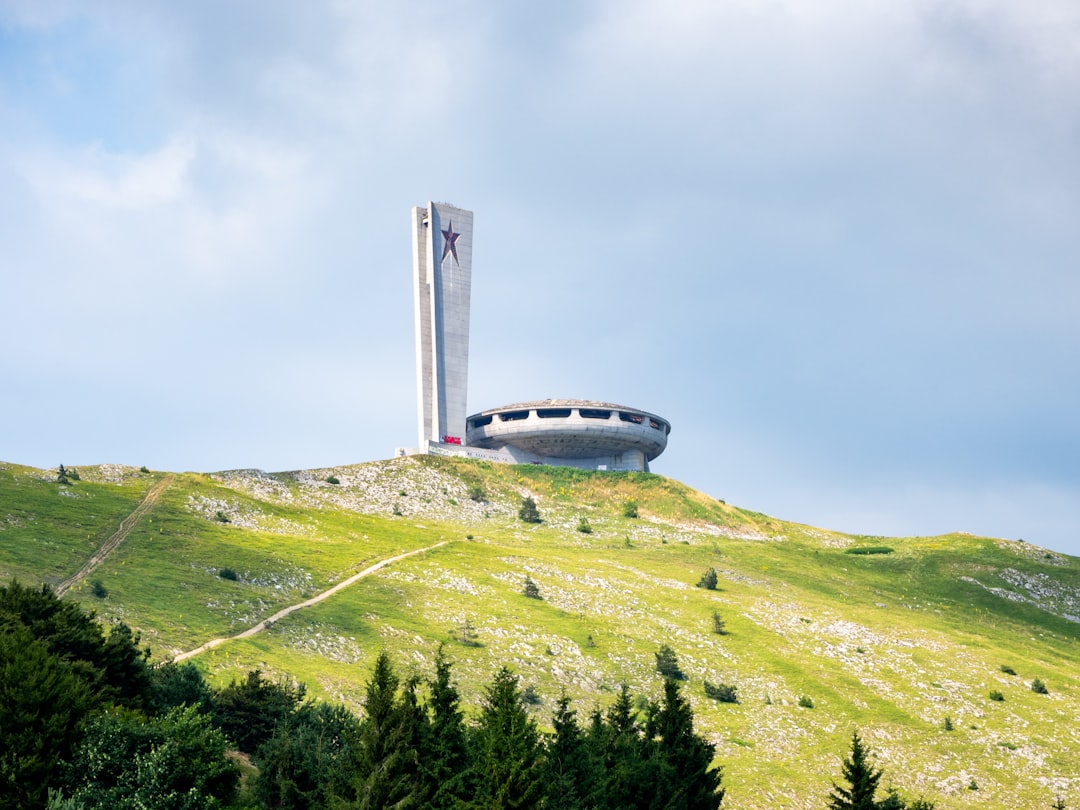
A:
(126, 525)
(281, 614)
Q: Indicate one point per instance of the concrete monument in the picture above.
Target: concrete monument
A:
(589, 434)
(442, 283)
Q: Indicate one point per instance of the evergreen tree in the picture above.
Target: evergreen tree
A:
(528, 512)
(531, 589)
(623, 779)
(303, 764)
(113, 666)
(173, 685)
(861, 777)
(385, 764)
(687, 781)
(708, 580)
(445, 755)
(42, 702)
(507, 755)
(567, 766)
(250, 711)
(667, 663)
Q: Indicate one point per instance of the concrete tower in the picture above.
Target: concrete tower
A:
(442, 283)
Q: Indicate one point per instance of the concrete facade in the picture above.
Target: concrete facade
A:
(442, 285)
(571, 432)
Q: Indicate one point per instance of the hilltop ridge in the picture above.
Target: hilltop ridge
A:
(891, 641)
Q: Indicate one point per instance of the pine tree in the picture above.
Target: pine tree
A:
(862, 779)
(507, 754)
(567, 766)
(42, 703)
(687, 781)
(386, 762)
(528, 512)
(667, 663)
(624, 780)
(531, 589)
(708, 580)
(445, 754)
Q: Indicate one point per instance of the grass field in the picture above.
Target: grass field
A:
(891, 642)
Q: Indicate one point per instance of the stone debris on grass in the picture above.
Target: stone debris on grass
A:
(1040, 590)
(245, 516)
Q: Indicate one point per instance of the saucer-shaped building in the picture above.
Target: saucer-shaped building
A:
(571, 432)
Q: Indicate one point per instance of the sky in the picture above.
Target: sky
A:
(835, 243)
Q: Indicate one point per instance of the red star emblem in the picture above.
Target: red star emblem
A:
(450, 243)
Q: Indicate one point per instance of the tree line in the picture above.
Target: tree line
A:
(87, 723)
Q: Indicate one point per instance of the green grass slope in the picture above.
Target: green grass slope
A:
(891, 643)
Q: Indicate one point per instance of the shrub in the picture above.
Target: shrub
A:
(1038, 687)
(229, 574)
(708, 580)
(528, 512)
(583, 525)
(806, 702)
(221, 517)
(531, 589)
(996, 695)
(332, 479)
(869, 550)
(667, 663)
(143, 469)
(718, 624)
(397, 509)
(61, 476)
(1007, 669)
(948, 724)
(466, 633)
(723, 692)
(629, 509)
(98, 589)
(530, 696)
(478, 493)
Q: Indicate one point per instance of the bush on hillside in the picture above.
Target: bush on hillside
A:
(1038, 687)
(667, 663)
(528, 512)
(869, 550)
(583, 525)
(629, 509)
(718, 624)
(531, 589)
(722, 692)
(997, 696)
(708, 580)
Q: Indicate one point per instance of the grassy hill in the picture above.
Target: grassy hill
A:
(893, 641)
